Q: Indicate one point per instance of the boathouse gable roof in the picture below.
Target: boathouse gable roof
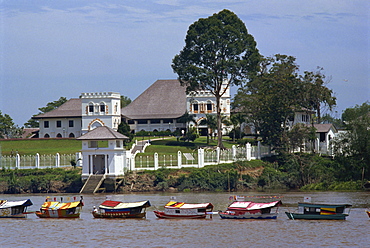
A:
(102, 133)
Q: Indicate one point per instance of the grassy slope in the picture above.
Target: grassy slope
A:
(41, 146)
(67, 146)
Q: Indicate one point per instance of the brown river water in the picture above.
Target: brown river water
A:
(215, 232)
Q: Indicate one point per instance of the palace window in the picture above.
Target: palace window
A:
(155, 121)
(91, 108)
(46, 124)
(70, 123)
(102, 107)
(59, 123)
(195, 107)
(209, 107)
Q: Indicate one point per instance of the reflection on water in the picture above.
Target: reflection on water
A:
(215, 232)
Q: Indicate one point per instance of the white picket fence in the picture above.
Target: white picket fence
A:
(139, 161)
(39, 161)
(198, 159)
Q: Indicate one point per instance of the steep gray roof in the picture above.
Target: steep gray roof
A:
(102, 133)
(163, 99)
(71, 108)
(323, 128)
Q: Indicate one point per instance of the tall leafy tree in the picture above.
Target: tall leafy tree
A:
(218, 52)
(49, 107)
(352, 148)
(315, 94)
(125, 101)
(8, 129)
(271, 97)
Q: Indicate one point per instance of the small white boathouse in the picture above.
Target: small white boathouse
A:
(104, 157)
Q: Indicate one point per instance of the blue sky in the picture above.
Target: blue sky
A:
(60, 48)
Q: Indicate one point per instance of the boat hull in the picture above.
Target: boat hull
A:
(13, 215)
(118, 215)
(368, 213)
(248, 216)
(65, 216)
(163, 215)
(295, 216)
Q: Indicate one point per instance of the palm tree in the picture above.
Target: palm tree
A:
(237, 119)
(211, 122)
(187, 118)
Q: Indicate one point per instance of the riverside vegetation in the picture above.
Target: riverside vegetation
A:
(286, 171)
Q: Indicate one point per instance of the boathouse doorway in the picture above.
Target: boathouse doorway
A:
(99, 164)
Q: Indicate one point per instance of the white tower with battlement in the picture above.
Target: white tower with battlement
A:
(100, 109)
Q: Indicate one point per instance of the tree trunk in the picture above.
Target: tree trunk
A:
(219, 124)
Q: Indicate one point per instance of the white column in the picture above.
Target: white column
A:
(17, 161)
(200, 158)
(179, 159)
(156, 161)
(248, 148)
(218, 153)
(37, 160)
(234, 152)
(57, 160)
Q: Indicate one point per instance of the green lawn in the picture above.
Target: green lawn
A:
(68, 146)
(41, 146)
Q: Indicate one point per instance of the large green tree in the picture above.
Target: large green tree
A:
(276, 92)
(315, 94)
(8, 129)
(218, 52)
(271, 98)
(352, 148)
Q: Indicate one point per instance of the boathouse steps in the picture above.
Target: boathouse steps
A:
(92, 184)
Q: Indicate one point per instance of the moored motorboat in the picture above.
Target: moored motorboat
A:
(55, 209)
(14, 209)
(251, 210)
(117, 209)
(182, 210)
(368, 213)
(320, 211)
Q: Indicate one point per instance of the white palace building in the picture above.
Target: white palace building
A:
(157, 109)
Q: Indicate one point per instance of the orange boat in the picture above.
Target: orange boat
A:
(54, 209)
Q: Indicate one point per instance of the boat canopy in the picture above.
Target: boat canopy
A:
(59, 205)
(9, 204)
(323, 205)
(119, 205)
(248, 205)
(183, 205)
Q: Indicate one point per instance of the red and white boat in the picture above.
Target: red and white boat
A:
(117, 209)
(182, 210)
(251, 210)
